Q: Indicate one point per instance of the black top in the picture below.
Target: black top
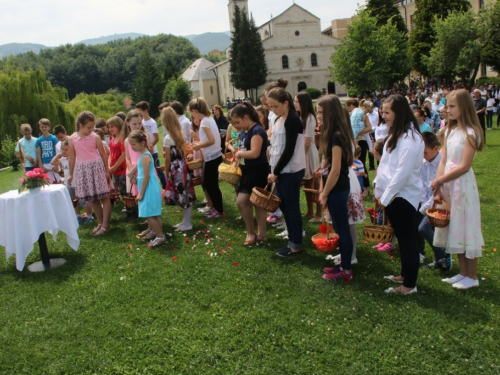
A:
(343, 183)
(480, 104)
(293, 127)
(221, 122)
(257, 129)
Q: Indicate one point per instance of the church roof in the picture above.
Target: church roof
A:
(193, 72)
(286, 10)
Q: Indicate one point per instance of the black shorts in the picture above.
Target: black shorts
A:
(253, 176)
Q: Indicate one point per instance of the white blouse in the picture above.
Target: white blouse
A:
(398, 174)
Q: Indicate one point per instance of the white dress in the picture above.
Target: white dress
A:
(463, 234)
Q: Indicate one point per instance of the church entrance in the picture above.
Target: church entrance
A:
(301, 86)
(331, 87)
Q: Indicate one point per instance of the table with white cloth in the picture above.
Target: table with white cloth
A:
(26, 216)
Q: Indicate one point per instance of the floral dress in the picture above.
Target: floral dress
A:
(179, 189)
(463, 234)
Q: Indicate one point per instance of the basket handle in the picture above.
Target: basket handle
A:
(272, 189)
(327, 227)
(443, 202)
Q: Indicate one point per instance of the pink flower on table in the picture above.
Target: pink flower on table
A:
(38, 170)
(22, 180)
(31, 174)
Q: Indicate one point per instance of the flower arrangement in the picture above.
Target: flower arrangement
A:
(34, 179)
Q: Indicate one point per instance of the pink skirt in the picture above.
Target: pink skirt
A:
(91, 181)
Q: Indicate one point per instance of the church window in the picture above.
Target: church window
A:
(297, 32)
(284, 61)
(314, 59)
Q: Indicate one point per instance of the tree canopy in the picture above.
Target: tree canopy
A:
(370, 56)
(489, 35)
(385, 10)
(423, 36)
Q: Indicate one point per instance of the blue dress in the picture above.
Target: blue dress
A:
(150, 205)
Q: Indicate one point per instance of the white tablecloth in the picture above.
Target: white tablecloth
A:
(23, 217)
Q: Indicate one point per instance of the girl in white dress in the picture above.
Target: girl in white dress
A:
(456, 184)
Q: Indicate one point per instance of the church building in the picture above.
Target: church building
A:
(295, 49)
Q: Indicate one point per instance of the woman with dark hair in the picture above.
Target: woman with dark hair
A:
(304, 106)
(398, 186)
(222, 123)
(287, 164)
(336, 152)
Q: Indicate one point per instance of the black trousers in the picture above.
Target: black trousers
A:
(364, 152)
(211, 183)
(403, 218)
(483, 126)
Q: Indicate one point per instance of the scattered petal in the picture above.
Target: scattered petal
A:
(365, 242)
(122, 278)
(229, 247)
(236, 264)
(187, 239)
(174, 258)
(494, 250)
(129, 247)
(192, 247)
(223, 251)
(129, 254)
(482, 278)
(172, 248)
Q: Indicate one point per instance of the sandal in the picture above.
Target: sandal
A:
(157, 242)
(250, 242)
(143, 233)
(97, 229)
(261, 239)
(149, 236)
(101, 231)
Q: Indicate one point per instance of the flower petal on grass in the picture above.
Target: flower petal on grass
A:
(174, 258)
(236, 264)
(223, 251)
(129, 247)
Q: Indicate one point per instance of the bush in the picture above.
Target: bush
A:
(487, 81)
(8, 154)
(177, 89)
(315, 93)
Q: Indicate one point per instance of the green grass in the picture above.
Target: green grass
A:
(116, 307)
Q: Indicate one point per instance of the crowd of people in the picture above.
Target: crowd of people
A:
(286, 141)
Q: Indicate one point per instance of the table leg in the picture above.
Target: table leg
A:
(46, 263)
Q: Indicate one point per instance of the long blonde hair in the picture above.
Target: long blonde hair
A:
(468, 117)
(173, 126)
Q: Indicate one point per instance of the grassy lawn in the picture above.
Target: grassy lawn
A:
(215, 307)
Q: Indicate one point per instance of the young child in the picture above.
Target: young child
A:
(179, 189)
(149, 196)
(358, 167)
(100, 133)
(336, 152)
(100, 123)
(209, 145)
(61, 161)
(117, 163)
(61, 134)
(88, 165)
(152, 128)
(456, 184)
(432, 158)
(46, 149)
(26, 149)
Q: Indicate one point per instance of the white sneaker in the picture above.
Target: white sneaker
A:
(336, 260)
(282, 234)
(466, 283)
(204, 209)
(454, 279)
(422, 258)
(303, 233)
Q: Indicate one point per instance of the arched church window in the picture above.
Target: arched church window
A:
(314, 59)
(284, 61)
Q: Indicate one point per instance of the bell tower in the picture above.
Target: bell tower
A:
(242, 4)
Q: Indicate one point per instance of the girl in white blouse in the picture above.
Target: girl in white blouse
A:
(398, 186)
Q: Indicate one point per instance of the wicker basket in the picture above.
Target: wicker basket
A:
(160, 169)
(114, 195)
(195, 164)
(438, 222)
(264, 199)
(378, 233)
(325, 242)
(195, 181)
(228, 155)
(312, 195)
(230, 175)
(129, 200)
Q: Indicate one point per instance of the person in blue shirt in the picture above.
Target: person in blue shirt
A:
(26, 148)
(420, 116)
(46, 149)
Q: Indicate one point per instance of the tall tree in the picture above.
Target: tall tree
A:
(385, 10)
(178, 89)
(423, 36)
(457, 51)
(489, 35)
(248, 62)
(370, 57)
(148, 84)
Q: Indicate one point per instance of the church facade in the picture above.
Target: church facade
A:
(295, 49)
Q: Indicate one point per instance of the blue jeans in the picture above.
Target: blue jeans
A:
(489, 119)
(426, 230)
(337, 207)
(161, 175)
(288, 190)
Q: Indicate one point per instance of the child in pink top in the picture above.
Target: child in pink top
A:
(88, 165)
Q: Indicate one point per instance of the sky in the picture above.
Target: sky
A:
(56, 22)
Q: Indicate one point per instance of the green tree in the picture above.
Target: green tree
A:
(248, 63)
(489, 35)
(385, 10)
(178, 89)
(148, 84)
(370, 56)
(101, 105)
(423, 36)
(457, 51)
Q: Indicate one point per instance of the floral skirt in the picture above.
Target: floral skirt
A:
(179, 190)
(355, 206)
(91, 181)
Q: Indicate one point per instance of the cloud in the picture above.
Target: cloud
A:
(55, 22)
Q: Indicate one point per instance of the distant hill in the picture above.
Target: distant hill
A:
(18, 48)
(208, 41)
(109, 38)
(205, 42)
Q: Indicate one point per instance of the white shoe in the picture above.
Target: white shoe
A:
(177, 225)
(282, 234)
(454, 279)
(204, 209)
(336, 260)
(303, 233)
(422, 258)
(392, 290)
(466, 283)
(183, 229)
(391, 278)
